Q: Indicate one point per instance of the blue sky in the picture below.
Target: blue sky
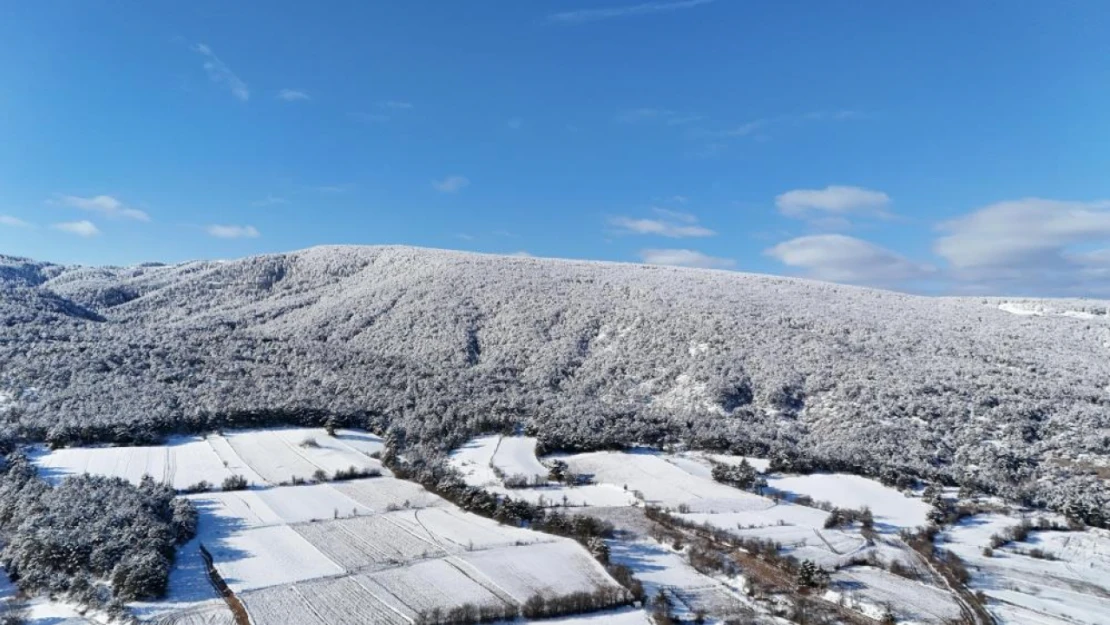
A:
(946, 147)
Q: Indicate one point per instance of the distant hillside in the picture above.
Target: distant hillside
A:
(437, 345)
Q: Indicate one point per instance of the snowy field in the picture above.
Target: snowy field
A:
(659, 567)
(1072, 588)
(660, 482)
(682, 483)
(872, 591)
(481, 459)
(375, 550)
(263, 457)
(892, 509)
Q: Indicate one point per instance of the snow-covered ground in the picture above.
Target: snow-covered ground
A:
(625, 616)
(377, 549)
(482, 458)
(658, 481)
(263, 457)
(891, 508)
(659, 567)
(1073, 588)
(873, 591)
(1042, 309)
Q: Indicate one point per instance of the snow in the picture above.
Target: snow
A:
(664, 483)
(181, 463)
(1074, 588)
(280, 455)
(661, 568)
(872, 590)
(383, 493)
(7, 401)
(516, 455)
(586, 495)
(475, 461)
(891, 508)
(481, 458)
(559, 567)
(267, 556)
(624, 616)
(263, 457)
(1025, 310)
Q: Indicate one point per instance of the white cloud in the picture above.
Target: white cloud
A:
(747, 128)
(647, 8)
(673, 224)
(451, 184)
(1021, 232)
(233, 232)
(839, 258)
(834, 199)
(221, 74)
(685, 258)
(522, 254)
(14, 222)
(80, 228)
(105, 205)
(395, 105)
(292, 95)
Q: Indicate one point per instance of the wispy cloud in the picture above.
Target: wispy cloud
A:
(762, 127)
(14, 222)
(604, 13)
(522, 254)
(81, 228)
(221, 74)
(668, 223)
(685, 258)
(270, 200)
(105, 205)
(515, 123)
(386, 110)
(292, 95)
(233, 232)
(451, 184)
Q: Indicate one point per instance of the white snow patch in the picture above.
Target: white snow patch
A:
(890, 507)
(261, 456)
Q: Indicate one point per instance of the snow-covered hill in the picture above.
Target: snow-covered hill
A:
(441, 345)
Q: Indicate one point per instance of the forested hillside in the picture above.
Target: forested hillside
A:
(433, 346)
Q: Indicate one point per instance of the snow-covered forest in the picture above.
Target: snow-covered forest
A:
(432, 347)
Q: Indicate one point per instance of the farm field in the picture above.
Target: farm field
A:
(1071, 587)
(376, 550)
(682, 483)
(661, 568)
(263, 457)
(483, 460)
(873, 591)
(892, 509)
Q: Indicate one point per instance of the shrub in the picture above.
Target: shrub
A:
(235, 482)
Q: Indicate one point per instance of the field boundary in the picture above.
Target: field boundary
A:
(238, 610)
